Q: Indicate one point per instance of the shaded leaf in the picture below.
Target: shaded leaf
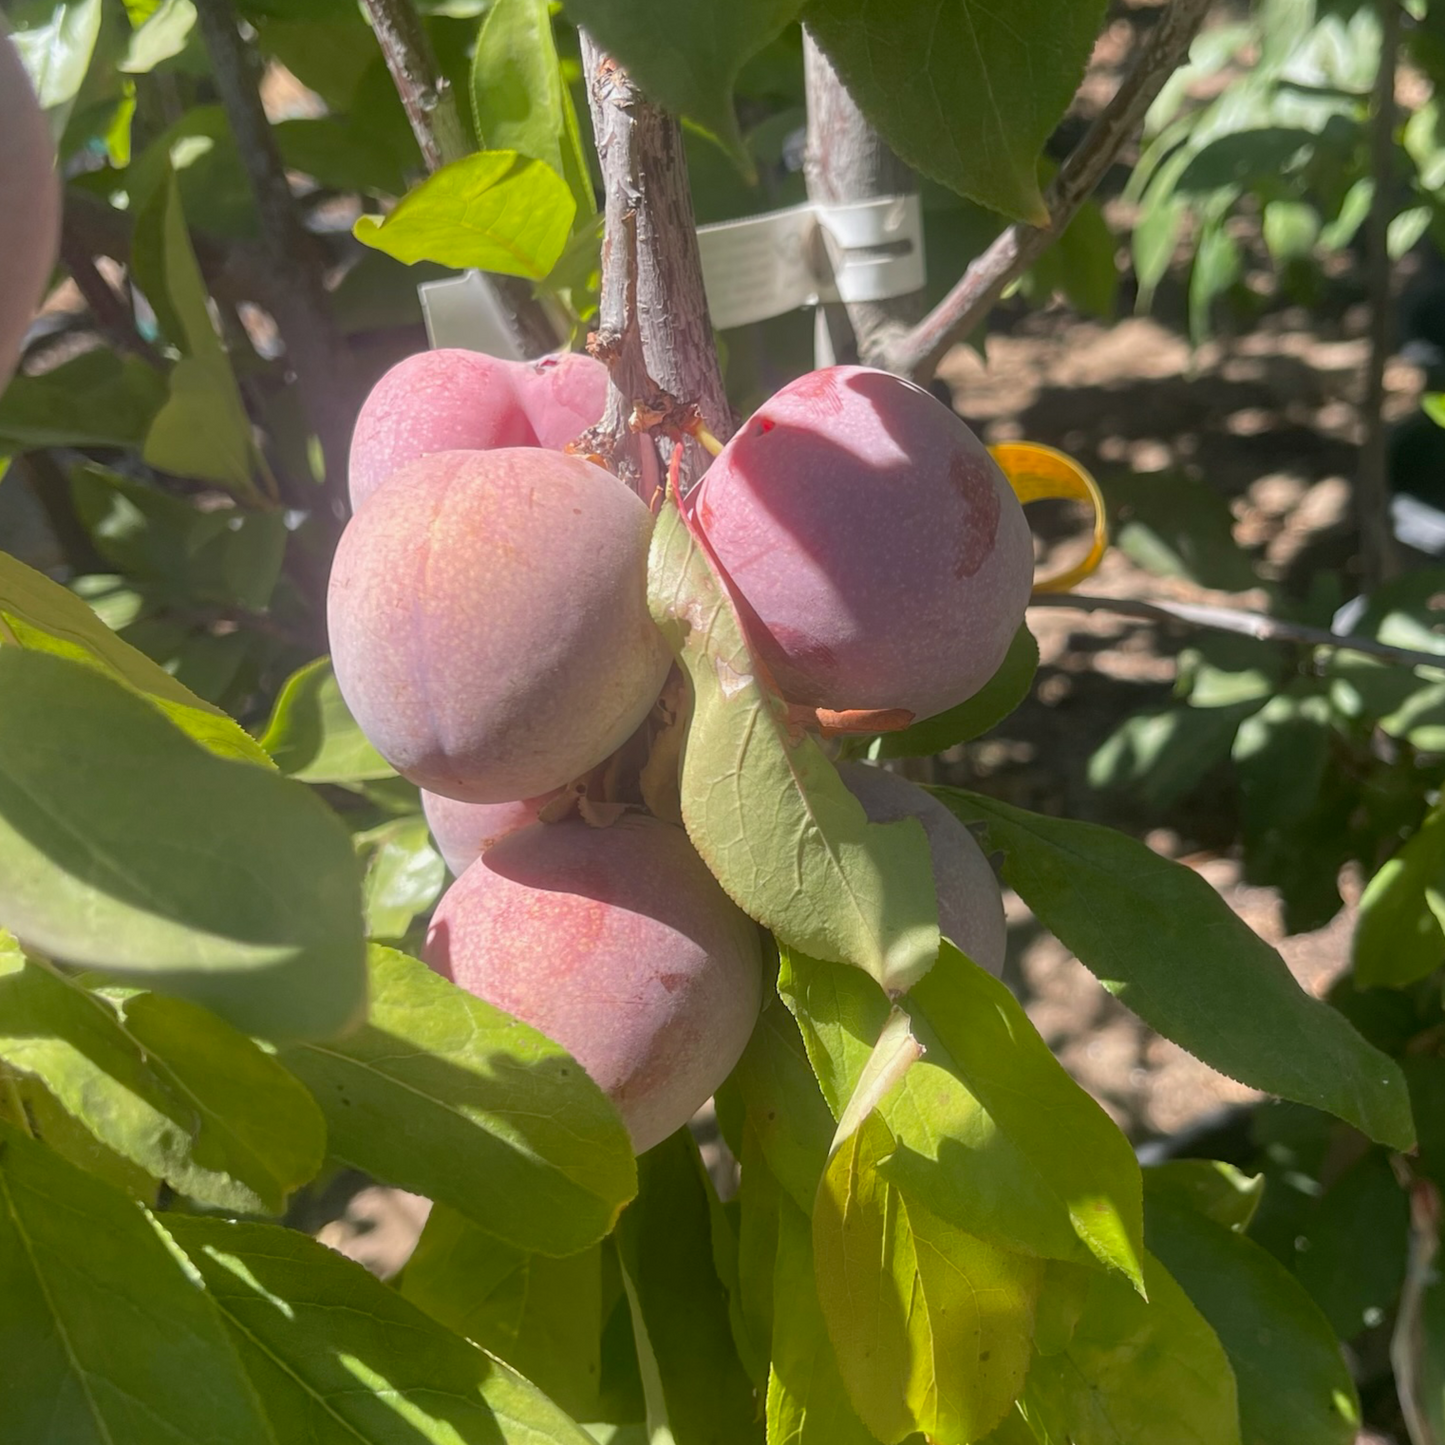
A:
(109, 1338)
(754, 792)
(41, 616)
(1171, 949)
(1294, 1386)
(543, 1316)
(312, 735)
(1400, 937)
(99, 399)
(686, 54)
(206, 878)
(1218, 1191)
(680, 1308)
(445, 1095)
(492, 210)
(404, 876)
(164, 1084)
(1173, 525)
(1137, 1372)
(964, 91)
(339, 1358)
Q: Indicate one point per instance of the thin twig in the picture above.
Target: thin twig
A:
(314, 347)
(847, 160)
(441, 136)
(1408, 1343)
(113, 318)
(652, 327)
(1379, 556)
(919, 351)
(1245, 624)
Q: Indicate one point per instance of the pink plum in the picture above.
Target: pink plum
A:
(29, 206)
(618, 944)
(462, 832)
(489, 624)
(878, 555)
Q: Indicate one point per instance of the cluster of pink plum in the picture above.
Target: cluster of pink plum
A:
(490, 633)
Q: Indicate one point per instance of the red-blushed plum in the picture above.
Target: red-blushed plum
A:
(970, 905)
(878, 554)
(29, 206)
(462, 832)
(561, 396)
(435, 401)
(488, 621)
(454, 400)
(618, 944)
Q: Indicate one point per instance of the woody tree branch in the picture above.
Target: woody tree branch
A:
(918, 351)
(441, 135)
(653, 330)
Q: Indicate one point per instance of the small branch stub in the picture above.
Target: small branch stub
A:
(653, 330)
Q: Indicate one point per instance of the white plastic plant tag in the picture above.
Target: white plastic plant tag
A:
(463, 311)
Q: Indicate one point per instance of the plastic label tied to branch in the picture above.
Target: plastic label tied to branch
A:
(1038, 474)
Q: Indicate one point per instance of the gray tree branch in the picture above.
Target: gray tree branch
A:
(653, 330)
(441, 135)
(918, 352)
(1239, 622)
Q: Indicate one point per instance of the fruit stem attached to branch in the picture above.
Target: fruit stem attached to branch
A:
(1235, 620)
(653, 330)
(441, 136)
(918, 352)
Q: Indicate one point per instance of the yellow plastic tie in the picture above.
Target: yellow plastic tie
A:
(1038, 473)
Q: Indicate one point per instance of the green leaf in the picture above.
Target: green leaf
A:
(687, 54)
(55, 48)
(109, 1338)
(543, 1316)
(1294, 1387)
(998, 697)
(807, 1404)
(493, 210)
(331, 150)
(341, 1359)
(1350, 1251)
(209, 879)
(1400, 937)
(1161, 755)
(1175, 526)
(933, 1329)
(404, 876)
(1291, 229)
(755, 791)
(203, 430)
(680, 1308)
(225, 555)
(313, 737)
(161, 37)
(1209, 1187)
(100, 399)
(991, 1133)
(786, 1111)
(1137, 1372)
(1172, 950)
(964, 91)
(164, 1084)
(445, 1095)
(519, 102)
(40, 615)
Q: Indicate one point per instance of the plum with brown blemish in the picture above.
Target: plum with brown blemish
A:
(618, 944)
(488, 621)
(877, 553)
(462, 832)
